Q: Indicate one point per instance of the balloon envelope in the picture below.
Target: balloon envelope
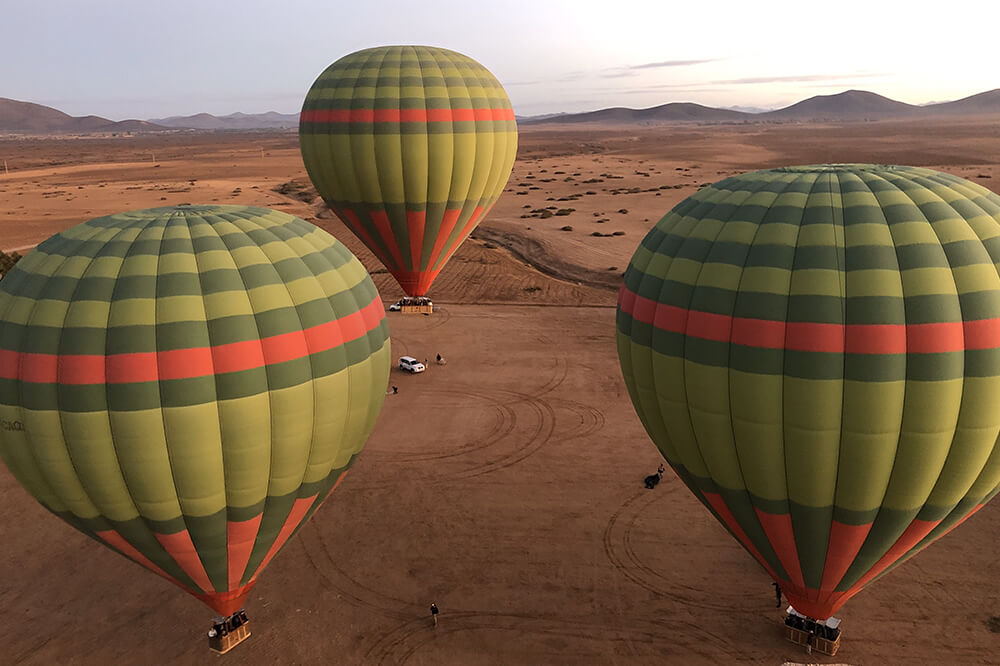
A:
(816, 352)
(410, 146)
(187, 385)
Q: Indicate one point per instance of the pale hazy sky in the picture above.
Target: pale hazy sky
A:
(154, 58)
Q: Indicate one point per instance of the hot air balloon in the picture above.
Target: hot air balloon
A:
(815, 351)
(187, 385)
(410, 146)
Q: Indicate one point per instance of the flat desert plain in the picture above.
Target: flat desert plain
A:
(505, 486)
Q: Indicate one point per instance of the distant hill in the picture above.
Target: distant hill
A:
(851, 105)
(234, 121)
(985, 102)
(673, 112)
(18, 116)
(848, 105)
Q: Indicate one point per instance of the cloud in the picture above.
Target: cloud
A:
(673, 63)
(801, 78)
(618, 74)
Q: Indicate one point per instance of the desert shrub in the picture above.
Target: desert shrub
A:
(617, 233)
(566, 228)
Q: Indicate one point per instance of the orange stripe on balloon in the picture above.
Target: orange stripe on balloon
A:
(415, 283)
(416, 222)
(477, 213)
(180, 547)
(240, 537)
(117, 541)
(227, 603)
(845, 543)
(448, 221)
(935, 338)
(295, 516)
(914, 532)
(730, 521)
(381, 220)
(404, 115)
(350, 218)
(194, 362)
(781, 536)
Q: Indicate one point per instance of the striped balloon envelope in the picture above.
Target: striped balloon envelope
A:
(816, 352)
(410, 146)
(187, 385)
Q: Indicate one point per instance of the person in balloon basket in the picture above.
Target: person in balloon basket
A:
(434, 614)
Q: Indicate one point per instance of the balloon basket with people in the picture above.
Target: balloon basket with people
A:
(823, 636)
(414, 305)
(228, 632)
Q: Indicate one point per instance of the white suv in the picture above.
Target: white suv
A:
(410, 364)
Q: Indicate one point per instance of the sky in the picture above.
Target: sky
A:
(153, 58)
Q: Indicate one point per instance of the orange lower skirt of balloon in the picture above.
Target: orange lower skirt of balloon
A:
(819, 604)
(415, 283)
(227, 603)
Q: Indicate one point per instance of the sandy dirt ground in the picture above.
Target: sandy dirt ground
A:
(505, 486)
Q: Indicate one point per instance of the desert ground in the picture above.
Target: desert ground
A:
(505, 486)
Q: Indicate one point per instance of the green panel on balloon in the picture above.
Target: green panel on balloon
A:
(410, 146)
(822, 342)
(186, 385)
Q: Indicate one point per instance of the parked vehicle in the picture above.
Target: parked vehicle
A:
(410, 364)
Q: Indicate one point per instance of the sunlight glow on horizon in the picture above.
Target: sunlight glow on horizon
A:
(121, 59)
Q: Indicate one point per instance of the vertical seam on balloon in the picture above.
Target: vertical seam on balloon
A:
(760, 184)
(965, 187)
(316, 405)
(874, 176)
(364, 206)
(59, 411)
(143, 224)
(159, 381)
(333, 316)
(404, 228)
(428, 240)
(684, 337)
(784, 362)
(441, 259)
(215, 381)
(390, 241)
(838, 212)
(270, 407)
(107, 383)
(415, 265)
(291, 300)
(965, 353)
(20, 396)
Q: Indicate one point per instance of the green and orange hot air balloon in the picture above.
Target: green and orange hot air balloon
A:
(410, 146)
(187, 385)
(816, 352)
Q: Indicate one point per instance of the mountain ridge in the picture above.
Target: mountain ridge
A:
(850, 105)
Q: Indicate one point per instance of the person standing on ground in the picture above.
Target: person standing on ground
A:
(434, 614)
(777, 595)
(395, 390)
